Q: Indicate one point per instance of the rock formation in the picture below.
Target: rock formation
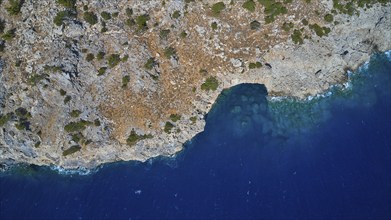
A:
(89, 82)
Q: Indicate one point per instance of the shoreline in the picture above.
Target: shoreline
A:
(66, 115)
(10, 169)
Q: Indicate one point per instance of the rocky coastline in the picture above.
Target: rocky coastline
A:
(84, 83)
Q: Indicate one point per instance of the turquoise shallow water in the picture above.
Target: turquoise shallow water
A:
(328, 158)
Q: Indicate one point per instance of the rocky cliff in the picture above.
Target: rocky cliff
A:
(89, 82)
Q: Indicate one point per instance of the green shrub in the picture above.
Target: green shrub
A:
(296, 37)
(217, 8)
(62, 16)
(77, 137)
(210, 83)
(67, 3)
(176, 14)
(141, 22)
(102, 71)
(73, 149)
(104, 28)
(164, 33)
(97, 122)
(100, 55)
(287, 26)
(105, 15)
(249, 5)
(125, 81)
(130, 22)
(54, 69)
(34, 79)
(23, 125)
(90, 57)
(272, 9)
(329, 18)
(2, 26)
(129, 12)
(149, 64)
(169, 52)
(115, 14)
(90, 18)
(320, 31)
(255, 65)
(193, 119)
(67, 99)
(113, 60)
(14, 6)
(22, 113)
(255, 25)
(304, 21)
(62, 92)
(125, 58)
(134, 138)
(77, 126)
(175, 117)
(213, 25)
(75, 113)
(168, 127)
(5, 118)
(9, 35)
(183, 34)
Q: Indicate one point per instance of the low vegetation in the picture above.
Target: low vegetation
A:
(125, 81)
(320, 31)
(255, 25)
(90, 57)
(73, 149)
(14, 6)
(90, 18)
(105, 15)
(249, 5)
(67, 3)
(168, 127)
(193, 119)
(164, 34)
(255, 65)
(5, 118)
(62, 16)
(296, 37)
(272, 9)
(102, 71)
(217, 8)
(75, 113)
(113, 60)
(169, 52)
(214, 25)
(141, 22)
(176, 14)
(134, 138)
(149, 64)
(210, 83)
(9, 35)
(77, 126)
(175, 117)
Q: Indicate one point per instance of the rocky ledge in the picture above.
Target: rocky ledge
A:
(89, 82)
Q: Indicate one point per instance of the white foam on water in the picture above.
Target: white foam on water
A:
(80, 171)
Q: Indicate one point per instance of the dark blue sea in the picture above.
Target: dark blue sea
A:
(324, 158)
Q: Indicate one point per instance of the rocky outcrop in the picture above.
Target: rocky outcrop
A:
(135, 82)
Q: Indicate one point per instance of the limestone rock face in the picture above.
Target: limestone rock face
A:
(132, 80)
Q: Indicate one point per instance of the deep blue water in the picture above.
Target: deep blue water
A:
(329, 158)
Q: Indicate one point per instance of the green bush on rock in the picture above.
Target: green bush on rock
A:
(210, 83)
